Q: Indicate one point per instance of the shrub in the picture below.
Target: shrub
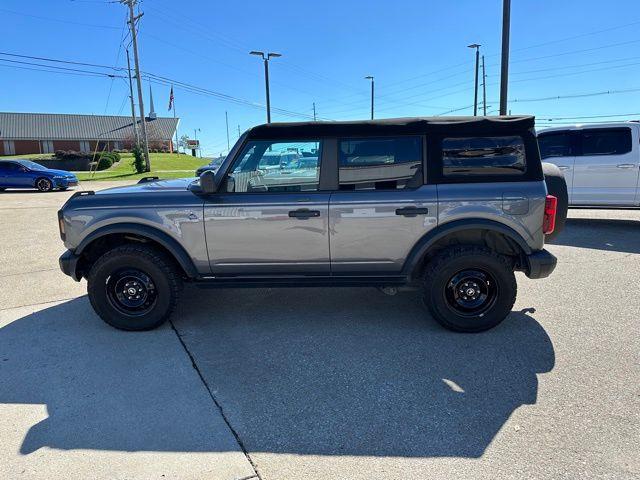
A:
(70, 155)
(104, 162)
(138, 160)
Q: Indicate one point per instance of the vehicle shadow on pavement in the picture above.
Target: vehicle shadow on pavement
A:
(308, 371)
(356, 372)
(616, 235)
(105, 389)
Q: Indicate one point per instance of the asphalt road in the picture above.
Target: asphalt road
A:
(321, 383)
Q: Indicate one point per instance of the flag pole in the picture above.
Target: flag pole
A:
(173, 103)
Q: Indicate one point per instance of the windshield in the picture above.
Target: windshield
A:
(31, 165)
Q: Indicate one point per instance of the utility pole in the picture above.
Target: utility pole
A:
(484, 89)
(195, 134)
(475, 95)
(239, 131)
(136, 62)
(133, 108)
(226, 117)
(504, 64)
(314, 111)
(265, 58)
(370, 77)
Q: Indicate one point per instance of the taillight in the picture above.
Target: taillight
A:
(550, 209)
(61, 225)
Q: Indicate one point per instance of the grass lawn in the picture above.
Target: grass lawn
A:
(163, 165)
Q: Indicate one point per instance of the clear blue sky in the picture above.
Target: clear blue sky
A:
(416, 50)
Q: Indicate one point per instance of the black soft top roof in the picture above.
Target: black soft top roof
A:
(395, 126)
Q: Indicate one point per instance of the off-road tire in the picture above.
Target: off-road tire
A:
(162, 271)
(44, 184)
(443, 268)
(556, 186)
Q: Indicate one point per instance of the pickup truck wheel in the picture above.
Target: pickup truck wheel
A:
(556, 186)
(134, 287)
(469, 289)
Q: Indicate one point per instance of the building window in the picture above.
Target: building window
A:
(116, 145)
(483, 156)
(85, 147)
(379, 163)
(9, 147)
(47, 146)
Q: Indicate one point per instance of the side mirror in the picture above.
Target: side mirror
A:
(208, 182)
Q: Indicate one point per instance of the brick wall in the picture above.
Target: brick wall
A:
(24, 147)
(66, 145)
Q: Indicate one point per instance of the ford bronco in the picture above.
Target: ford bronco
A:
(448, 205)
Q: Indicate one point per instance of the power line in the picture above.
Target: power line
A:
(49, 19)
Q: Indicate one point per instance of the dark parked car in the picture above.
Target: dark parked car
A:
(27, 174)
(214, 165)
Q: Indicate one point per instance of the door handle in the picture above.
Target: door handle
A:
(411, 211)
(563, 167)
(304, 213)
(626, 165)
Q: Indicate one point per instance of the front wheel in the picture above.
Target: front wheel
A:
(134, 287)
(469, 289)
(44, 184)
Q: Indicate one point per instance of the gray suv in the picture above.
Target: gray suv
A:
(449, 206)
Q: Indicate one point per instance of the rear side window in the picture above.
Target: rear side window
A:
(606, 142)
(555, 145)
(473, 156)
(379, 163)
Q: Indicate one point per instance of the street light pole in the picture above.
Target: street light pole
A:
(265, 58)
(370, 77)
(484, 89)
(504, 64)
(226, 117)
(475, 94)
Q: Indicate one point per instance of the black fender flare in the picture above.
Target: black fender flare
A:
(174, 248)
(421, 248)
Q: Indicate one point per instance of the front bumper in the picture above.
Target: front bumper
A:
(65, 182)
(541, 264)
(68, 264)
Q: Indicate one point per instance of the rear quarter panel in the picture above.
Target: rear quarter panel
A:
(518, 205)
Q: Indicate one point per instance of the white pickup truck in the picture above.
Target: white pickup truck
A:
(601, 163)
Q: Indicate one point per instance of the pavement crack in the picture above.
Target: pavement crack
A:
(218, 406)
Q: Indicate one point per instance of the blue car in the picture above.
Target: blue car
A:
(26, 174)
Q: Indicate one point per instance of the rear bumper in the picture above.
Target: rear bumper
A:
(68, 264)
(541, 264)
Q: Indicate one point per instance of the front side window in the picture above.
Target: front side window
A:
(555, 145)
(606, 142)
(379, 163)
(483, 156)
(273, 166)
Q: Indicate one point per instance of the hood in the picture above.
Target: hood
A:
(178, 184)
(62, 173)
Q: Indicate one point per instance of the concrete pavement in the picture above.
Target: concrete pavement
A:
(321, 383)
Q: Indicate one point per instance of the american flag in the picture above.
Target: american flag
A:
(171, 98)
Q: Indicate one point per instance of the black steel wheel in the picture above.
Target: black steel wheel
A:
(469, 288)
(131, 292)
(471, 292)
(44, 184)
(134, 287)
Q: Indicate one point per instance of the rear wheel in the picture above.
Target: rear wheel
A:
(44, 184)
(469, 289)
(134, 287)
